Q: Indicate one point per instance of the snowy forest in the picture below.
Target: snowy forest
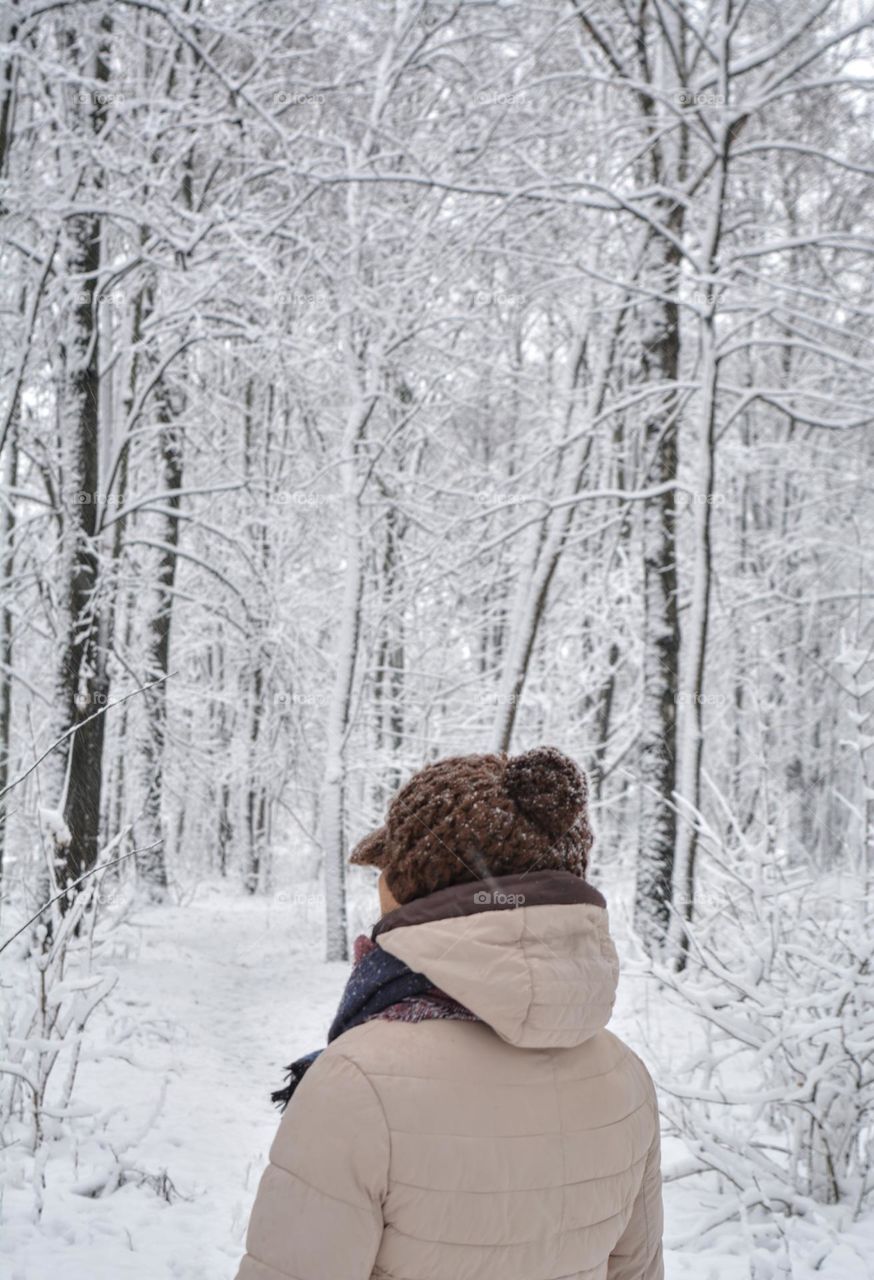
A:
(387, 381)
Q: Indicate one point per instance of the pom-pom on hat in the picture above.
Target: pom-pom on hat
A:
(469, 817)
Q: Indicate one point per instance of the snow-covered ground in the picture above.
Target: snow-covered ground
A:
(214, 996)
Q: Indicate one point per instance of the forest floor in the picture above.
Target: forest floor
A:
(213, 997)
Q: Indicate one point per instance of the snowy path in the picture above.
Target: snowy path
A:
(213, 997)
(203, 1008)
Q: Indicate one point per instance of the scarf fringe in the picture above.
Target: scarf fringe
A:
(294, 1073)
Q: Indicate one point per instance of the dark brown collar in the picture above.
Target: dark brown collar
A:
(497, 893)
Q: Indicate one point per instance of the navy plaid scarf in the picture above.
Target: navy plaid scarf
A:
(379, 985)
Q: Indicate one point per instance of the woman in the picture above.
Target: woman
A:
(471, 1118)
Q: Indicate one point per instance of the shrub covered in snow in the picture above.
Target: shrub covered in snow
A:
(776, 1093)
(43, 1027)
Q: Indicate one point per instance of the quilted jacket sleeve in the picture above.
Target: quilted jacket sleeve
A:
(637, 1254)
(318, 1211)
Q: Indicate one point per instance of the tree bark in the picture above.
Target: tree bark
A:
(661, 649)
(151, 864)
(7, 550)
(82, 684)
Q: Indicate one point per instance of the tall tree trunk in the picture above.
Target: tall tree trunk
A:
(332, 833)
(151, 864)
(694, 656)
(8, 35)
(255, 788)
(665, 164)
(661, 646)
(7, 569)
(225, 829)
(257, 471)
(10, 473)
(82, 684)
(604, 708)
(332, 824)
(389, 676)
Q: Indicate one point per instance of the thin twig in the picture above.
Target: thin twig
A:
(73, 884)
(73, 728)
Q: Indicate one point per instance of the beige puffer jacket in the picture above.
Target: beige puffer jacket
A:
(524, 1147)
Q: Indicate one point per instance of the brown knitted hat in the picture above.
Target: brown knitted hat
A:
(469, 817)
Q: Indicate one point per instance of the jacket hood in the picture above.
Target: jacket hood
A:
(529, 954)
